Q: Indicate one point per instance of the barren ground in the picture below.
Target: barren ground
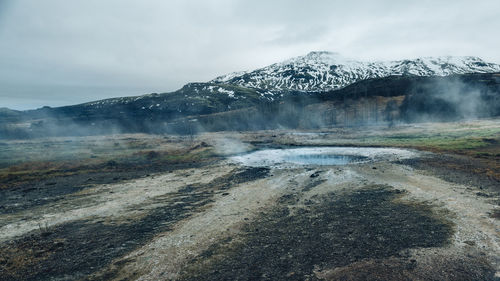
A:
(424, 206)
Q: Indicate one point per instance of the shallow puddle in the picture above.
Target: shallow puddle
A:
(321, 156)
(323, 159)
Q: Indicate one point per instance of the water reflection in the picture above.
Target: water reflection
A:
(323, 159)
(320, 156)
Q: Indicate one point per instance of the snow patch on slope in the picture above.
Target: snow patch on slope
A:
(323, 71)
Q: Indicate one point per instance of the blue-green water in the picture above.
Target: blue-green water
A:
(323, 159)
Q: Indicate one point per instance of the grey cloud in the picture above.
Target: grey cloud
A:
(125, 47)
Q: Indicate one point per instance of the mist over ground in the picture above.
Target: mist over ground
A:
(381, 101)
(357, 140)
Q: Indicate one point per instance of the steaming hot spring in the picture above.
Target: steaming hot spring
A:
(315, 156)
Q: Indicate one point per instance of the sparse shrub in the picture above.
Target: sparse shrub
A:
(152, 155)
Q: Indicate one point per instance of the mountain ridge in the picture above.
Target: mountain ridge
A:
(304, 74)
(444, 88)
(325, 71)
(199, 107)
(312, 67)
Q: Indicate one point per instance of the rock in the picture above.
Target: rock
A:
(314, 175)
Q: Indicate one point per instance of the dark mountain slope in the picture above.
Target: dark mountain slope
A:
(325, 71)
(213, 107)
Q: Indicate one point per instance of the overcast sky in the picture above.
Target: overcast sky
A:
(59, 52)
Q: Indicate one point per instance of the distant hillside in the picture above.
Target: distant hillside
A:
(316, 90)
(325, 71)
(9, 115)
(214, 107)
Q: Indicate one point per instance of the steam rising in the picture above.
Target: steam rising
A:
(230, 146)
(385, 101)
(453, 99)
(289, 157)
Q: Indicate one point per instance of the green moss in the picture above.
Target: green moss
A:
(453, 140)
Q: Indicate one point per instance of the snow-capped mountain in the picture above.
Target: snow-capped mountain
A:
(323, 71)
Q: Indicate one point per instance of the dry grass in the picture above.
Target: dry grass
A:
(24, 256)
(110, 155)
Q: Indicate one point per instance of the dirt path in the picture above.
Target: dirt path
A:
(472, 250)
(113, 201)
(376, 220)
(474, 228)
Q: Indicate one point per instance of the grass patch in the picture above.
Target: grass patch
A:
(124, 159)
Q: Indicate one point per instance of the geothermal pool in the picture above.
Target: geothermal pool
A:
(321, 156)
(323, 159)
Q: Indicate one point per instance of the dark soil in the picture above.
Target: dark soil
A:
(77, 249)
(334, 230)
(459, 169)
(32, 194)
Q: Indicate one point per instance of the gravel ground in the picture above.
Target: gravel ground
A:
(392, 216)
